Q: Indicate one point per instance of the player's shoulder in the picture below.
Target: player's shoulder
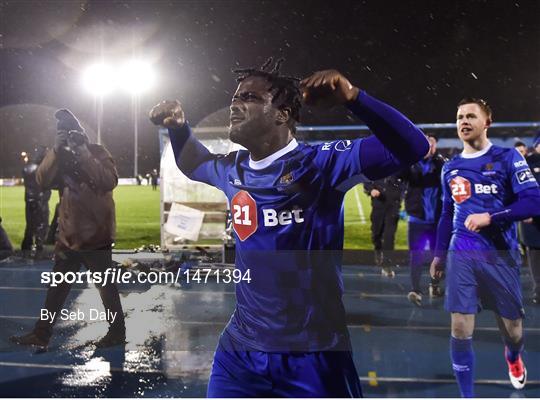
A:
(509, 157)
(452, 163)
(505, 152)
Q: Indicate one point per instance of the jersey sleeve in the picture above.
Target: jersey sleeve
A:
(520, 173)
(445, 225)
(396, 143)
(341, 162)
(196, 161)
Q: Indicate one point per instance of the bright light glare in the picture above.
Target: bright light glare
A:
(99, 79)
(136, 76)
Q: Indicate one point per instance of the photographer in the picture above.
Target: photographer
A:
(85, 174)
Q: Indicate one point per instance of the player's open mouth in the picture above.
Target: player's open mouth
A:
(466, 130)
(236, 119)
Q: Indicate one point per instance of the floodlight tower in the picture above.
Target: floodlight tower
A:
(136, 77)
(98, 79)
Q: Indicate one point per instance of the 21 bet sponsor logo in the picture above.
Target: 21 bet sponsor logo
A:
(244, 215)
(462, 189)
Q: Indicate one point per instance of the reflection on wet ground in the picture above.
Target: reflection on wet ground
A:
(172, 330)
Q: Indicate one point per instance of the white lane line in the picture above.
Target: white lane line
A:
(352, 326)
(429, 328)
(440, 380)
(359, 205)
(38, 288)
(81, 367)
(362, 378)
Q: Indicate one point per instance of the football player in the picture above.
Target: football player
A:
(288, 335)
(486, 189)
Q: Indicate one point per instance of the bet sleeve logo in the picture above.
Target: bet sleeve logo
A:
(461, 189)
(244, 214)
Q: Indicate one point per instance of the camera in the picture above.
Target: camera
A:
(76, 138)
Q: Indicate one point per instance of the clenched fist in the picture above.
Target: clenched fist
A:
(475, 222)
(168, 114)
(327, 88)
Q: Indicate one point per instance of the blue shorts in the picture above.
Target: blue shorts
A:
(474, 281)
(240, 373)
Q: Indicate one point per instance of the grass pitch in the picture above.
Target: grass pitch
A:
(137, 217)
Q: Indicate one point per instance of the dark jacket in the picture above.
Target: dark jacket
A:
(33, 191)
(423, 181)
(87, 212)
(534, 163)
(391, 188)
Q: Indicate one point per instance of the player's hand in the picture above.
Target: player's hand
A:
(374, 193)
(475, 222)
(327, 89)
(168, 114)
(436, 269)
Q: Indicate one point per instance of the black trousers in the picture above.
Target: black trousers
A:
(421, 245)
(37, 222)
(384, 221)
(53, 227)
(70, 261)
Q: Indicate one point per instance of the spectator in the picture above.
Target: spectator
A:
(6, 249)
(529, 230)
(521, 147)
(423, 204)
(36, 206)
(154, 178)
(386, 195)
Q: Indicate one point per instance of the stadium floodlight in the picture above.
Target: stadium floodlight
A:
(99, 79)
(136, 76)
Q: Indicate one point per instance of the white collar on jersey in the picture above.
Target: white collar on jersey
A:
(477, 153)
(265, 162)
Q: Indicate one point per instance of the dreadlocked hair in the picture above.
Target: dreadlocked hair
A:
(284, 89)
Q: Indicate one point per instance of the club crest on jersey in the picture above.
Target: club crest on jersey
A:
(487, 170)
(286, 179)
(244, 214)
(461, 189)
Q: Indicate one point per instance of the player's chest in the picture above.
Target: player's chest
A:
(466, 184)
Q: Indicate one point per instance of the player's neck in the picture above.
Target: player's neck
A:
(266, 148)
(476, 145)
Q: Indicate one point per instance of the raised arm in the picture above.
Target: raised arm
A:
(191, 156)
(47, 172)
(397, 142)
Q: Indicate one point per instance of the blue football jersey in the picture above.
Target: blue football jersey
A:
(287, 214)
(485, 181)
(288, 221)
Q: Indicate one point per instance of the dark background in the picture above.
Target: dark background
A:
(420, 56)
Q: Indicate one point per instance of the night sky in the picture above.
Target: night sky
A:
(420, 56)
